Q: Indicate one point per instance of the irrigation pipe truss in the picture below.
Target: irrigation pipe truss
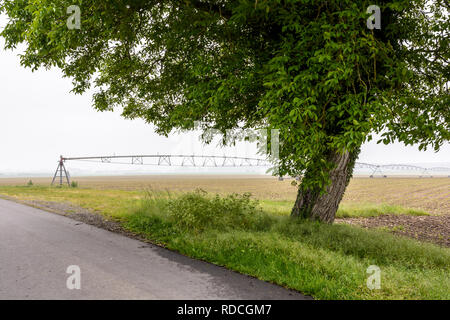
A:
(218, 161)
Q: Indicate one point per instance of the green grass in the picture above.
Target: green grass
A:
(325, 261)
(110, 203)
(374, 210)
(351, 210)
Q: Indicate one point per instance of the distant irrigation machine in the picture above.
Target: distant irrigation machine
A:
(62, 174)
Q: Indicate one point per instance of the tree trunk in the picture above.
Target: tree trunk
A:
(311, 204)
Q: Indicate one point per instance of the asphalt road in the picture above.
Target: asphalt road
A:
(37, 247)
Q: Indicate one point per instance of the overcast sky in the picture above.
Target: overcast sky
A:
(40, 119)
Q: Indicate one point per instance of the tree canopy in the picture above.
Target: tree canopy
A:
(311, 69)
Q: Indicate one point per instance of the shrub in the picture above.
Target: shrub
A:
(30, 183)
(74, 184)
(196, 211)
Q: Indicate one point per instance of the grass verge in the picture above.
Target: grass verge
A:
(347, 210)
(325, 261)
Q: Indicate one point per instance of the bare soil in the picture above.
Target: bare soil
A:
(435, 229)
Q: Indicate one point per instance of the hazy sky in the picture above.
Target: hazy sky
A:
(40, 119)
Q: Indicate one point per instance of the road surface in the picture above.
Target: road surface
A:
(37, 247)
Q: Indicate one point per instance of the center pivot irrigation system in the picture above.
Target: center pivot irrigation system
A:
(63, 175)
(169, 160)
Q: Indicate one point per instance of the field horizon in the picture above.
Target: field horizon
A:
(429, 194)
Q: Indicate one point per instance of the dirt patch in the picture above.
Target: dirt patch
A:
(77, 213)
(82, 215)
(434, 229)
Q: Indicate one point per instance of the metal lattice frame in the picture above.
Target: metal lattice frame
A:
(218, 161)
(62, 173)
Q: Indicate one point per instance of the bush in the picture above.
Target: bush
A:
(30, 183)
(196, 211)
(74, 184)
